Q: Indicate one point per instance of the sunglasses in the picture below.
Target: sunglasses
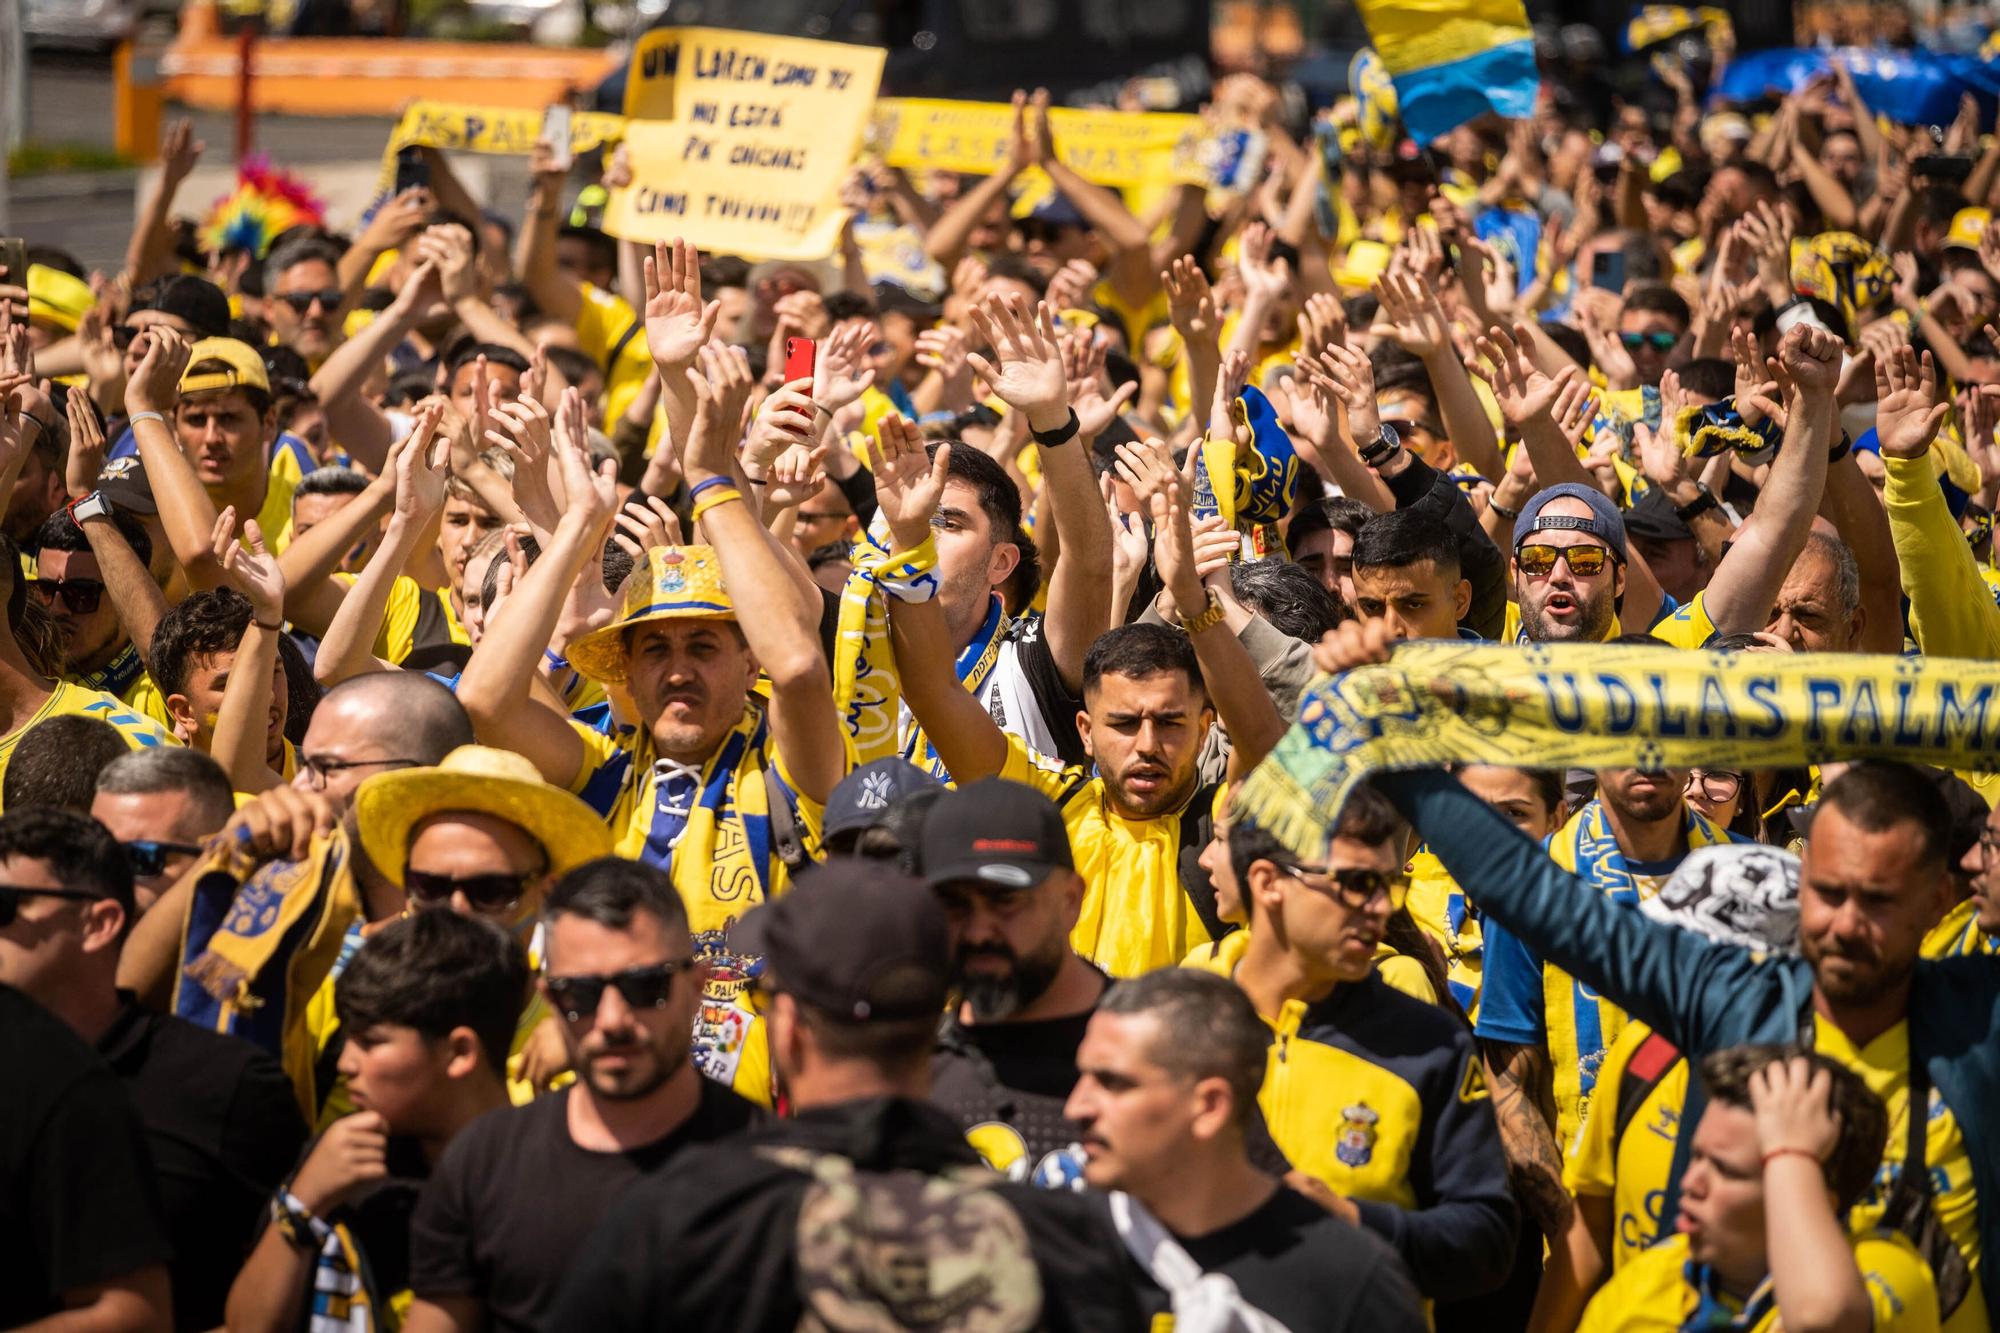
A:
(123, 335)
(577, 998)
(11, 896)
(1354, 887)
(1404, 426)
(1661, 341)
(302, 302)
(81, 596)
(487, 893)
(150, 858)
(1538, 559)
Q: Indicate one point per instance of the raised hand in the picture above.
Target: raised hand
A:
(155, 383)
(1811, 356)
(1264, 278)
(722, 387)
(908, 485)
(1030, 376)
(838, 374)
(86, 445)
(1908, 411)
(525, 431)
(677, 323)
(423, 466)
(1072, 284)
(783, 420)
(645, 527)
(796, 476)
(1522, 391)
(592, 496)
(1083, 364)
(1147, 466)
(1173, 550)
(943, 350)
(1322, 321)
(1601, 333)
(1412, 313)
(1347, 375)
(1575, 406)
(1793, 1106)
(180, 152)
(1191, 303)
(1020, 142)
(253, 572)
(448, 250)
(1129, 543)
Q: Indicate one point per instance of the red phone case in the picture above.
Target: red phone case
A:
(801, 354)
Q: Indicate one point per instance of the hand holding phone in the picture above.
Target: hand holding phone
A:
(801, 360)
(413, 169)
(555, 131)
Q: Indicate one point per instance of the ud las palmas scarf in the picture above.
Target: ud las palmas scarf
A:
(1614, 706)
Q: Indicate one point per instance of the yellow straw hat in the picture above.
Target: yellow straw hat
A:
(676, 583)
(481, 780)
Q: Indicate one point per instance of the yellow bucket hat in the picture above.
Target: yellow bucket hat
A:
(676, 583)
(481, 780)
(58, 298)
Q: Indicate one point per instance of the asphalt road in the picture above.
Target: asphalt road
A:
(70, 101)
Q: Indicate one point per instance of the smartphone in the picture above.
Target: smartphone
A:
(14, 259)
(801, 355)
(1607, 270)
(555, 129)
(413, 169)
(1942, 166)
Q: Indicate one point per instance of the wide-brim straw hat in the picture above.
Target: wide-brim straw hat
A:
(676, 583)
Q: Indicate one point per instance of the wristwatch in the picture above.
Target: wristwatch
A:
(1063, 434)
(1209, 617)
(1378, 450)
(93, 505)
(1698, 506)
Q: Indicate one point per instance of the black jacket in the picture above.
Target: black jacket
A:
(1422, 487)
(711, 1242)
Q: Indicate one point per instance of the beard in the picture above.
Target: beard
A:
(640, 1078)
(1592, 626)
(1863, 980)
(995, 997)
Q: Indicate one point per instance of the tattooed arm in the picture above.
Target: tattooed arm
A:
(1524, 1104)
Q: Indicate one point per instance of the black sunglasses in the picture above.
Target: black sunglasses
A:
(1661, 340)
(577, 998)
(150, 857)
(302, 302)
(12, 894)
(487, 893)
(81, 596)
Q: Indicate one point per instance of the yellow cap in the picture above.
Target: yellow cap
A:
(1967, 226)
(58, 298)
(1364, 263)
(677, 583)
(245, 369)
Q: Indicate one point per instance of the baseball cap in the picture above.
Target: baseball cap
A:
(1604, 522)
(859, 799)
(1652, 518)
(197, 300)
(58, 298)
(855, 940)
(243, 367)
(1967, 226)
(996, 832)
(123, 482)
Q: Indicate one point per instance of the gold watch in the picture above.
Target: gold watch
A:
(1210, 617)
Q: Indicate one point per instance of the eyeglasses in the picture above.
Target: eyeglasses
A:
(302, 302)
(150, 857)
(81, 596)
(577, 998)
(1660, 341)
(1716, 784)
(495, 892)
(12, 894)
(1538, 559)
(1355, 887)
(318, 770)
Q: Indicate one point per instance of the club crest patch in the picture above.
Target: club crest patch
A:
(1356, 1144)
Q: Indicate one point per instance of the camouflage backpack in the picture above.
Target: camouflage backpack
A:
(903, 1249)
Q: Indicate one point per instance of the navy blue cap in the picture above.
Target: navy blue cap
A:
(858, 800)
(1604, 522)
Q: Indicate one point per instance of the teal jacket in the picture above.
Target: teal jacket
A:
(1703, 996)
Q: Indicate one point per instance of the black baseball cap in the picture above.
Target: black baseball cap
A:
(123, 482)
(856, 940)
(200, 302)
(996, 832)
(860, 798)
(1652, 518)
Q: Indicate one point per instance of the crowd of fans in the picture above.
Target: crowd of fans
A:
(518, 815)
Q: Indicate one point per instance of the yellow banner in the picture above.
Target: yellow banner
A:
(752, 80)
(728, 192)
(502, 130)
(1603, 706)
(1115, 148)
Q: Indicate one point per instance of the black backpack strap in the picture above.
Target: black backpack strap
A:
(786, 840)
(1197, 826)
(611, 359)
(1651, 1063)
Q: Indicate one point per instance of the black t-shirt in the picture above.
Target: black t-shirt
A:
(78, 1205)
(1304, 1267)
(1006, 1085)
(513, 1198)
(223, 1128)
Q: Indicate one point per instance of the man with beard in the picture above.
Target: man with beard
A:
(1919, 1031)
(1138, 825)
(997, 854)
(516, 1194)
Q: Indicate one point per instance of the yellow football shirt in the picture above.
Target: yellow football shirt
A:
(1633, 1168)
(138, 732)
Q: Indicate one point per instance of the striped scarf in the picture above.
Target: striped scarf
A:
(975, 665)
(866, 690)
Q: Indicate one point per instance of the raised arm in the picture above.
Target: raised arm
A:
(803, 722)
(1814, 1276)
(495, 685)
(678, 326)
(137, 600)
(346, 649)
(1741, 591)
(1131, 271)
(907, 486)
(948, 236)
(242, 724)
(185, 509)
(362, 428)
(1417, 322)
(151, 250)
(558, 294)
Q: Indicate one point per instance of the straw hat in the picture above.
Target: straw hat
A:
(481, 780)
(677, 583)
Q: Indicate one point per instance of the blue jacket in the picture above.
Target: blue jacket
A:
(1703, 996)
